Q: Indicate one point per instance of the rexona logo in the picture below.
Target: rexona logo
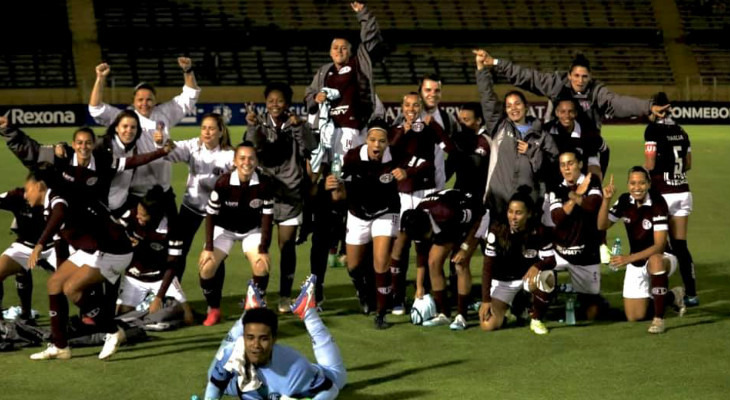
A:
(18, 116)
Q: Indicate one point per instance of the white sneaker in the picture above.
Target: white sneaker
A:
(605, 254)
(538, 327)
(111, 344)
(657, 325)
(52, 352)
(679, 305)
(438, 320)
(459, 323)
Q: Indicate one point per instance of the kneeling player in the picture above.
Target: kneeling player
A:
(254, 366)
(515, 253)
(443, 224)
(240, 208)
(648, 268)
(153, 264)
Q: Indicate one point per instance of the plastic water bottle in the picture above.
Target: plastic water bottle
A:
(570, 310)
(615, 251)
(336, 167)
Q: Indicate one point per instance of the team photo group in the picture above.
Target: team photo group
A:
(370, 194)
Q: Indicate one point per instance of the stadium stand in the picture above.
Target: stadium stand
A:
(704, 14)
(34, 58)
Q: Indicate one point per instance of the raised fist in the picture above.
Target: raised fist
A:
(185, 63)
(102, 70)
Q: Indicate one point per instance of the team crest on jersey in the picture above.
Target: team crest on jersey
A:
(491, 238)
(255, 203)
(386, 178)
(480, 151)
(91, 181)
(646, 224)
(344, 70)
(156, 246)
(214, 196)
(529, 253)
(418, 126)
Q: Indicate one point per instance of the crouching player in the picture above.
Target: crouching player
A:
(648, 268)
(442, 225)
(516, 253)
(153, 263)
(253, 366)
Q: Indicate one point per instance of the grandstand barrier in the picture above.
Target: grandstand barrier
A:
(693, 112)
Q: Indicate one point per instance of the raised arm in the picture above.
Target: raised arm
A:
(540, 83)
(370, 35)
(25, 148)
(619, 106)
(186, 64)
(97, 92)
(491, 107)
(604, 222)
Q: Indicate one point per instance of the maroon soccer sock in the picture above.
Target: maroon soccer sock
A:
(462, 304)
(58, 312)
(659, 290)
(442, 306)
(24, 284)
(261, 282)
(540, 302)
(382, 283)
(211, 291)
(397, 287)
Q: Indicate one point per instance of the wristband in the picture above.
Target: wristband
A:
(187, 71)
(464, 247)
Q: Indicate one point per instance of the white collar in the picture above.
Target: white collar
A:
(647, 201)
(576, 130)
(236, 181)
(364, 154)
(91, 166)
(577, 182)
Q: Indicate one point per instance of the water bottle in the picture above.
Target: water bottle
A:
(336, 168)
(615, 251)
(570, 310)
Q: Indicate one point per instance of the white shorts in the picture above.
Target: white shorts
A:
(584, 278)
(680, 204)
(110, 265)
(409, 201)
(223, 239)
(296, 221)
(20, 254)
(360, 231)
(133, 291)
(505, 291)
(637, 283)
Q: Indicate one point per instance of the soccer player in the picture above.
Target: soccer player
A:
(470, 157)
(208, 157)
(341, 98)
(240, 208)
(253, 366)
(668, 157)
(516, 252)
(574, 205)
(443, 225)
(521, 152)
(28, 225)
(283, 142)
(648, 268)
(152, 269)
(370, 187)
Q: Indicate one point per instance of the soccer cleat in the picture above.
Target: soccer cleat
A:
(213, 317)
(254, 297)
(380, 322)
(438, 320)
(657, 325)
(284, 305)
(306, 298)
(538, 327)
(691, 301)
(605, 254)
(111, 344)
(52, 352)
(459, 323)
(400, 309)
(679, 306)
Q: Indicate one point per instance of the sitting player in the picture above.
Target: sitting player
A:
(253, 366)
(515, 253)
(648, 268)
(443, 224)
(153, 264)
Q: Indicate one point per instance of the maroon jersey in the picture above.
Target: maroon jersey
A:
(576, 237)
(588, 145)
(414, 152)
(508, 255)
(151, 248)
(344, 111)
(29, 221)
(641, 221)
(469, 161)
(372, 190)
(670, 144)
(452, 214)
(239, 206)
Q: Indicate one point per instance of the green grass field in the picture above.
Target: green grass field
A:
(603, 360)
